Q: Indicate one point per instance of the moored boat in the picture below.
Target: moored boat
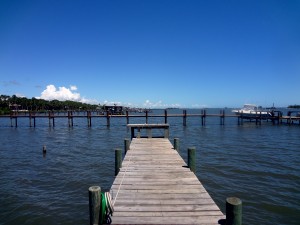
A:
(251, 111)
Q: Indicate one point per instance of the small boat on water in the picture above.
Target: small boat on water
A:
(251, 111)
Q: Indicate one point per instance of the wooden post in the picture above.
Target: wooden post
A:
(72, 124)
(138, 133)
(127, 117)
(149, 133)
(166, 116)
(49, 116)
(132, 132)
(69, 119)
(44, 150)
(260, 118)
(107, 119)
(166, 133)
(176, 144)
(256, 118)
(89, 118)
(222, 117)
(192, 159)
(242, 121)
(30, 119)
(233, 211)
(146, 116)
(203, 117)
(94, 204)
(126, 145)
(118, 160)
(184, 117)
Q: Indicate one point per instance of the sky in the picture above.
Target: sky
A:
(152, 53)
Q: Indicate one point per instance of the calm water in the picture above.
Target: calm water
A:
(259, 164)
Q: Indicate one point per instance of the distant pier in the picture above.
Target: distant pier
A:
(92, 117)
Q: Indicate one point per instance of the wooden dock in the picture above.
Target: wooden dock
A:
(70, 116)
(155, 186)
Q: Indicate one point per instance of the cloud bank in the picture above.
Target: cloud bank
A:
(159, 104)
(63, 94)
(71, 93)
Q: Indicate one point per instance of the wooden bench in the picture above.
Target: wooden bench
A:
(149, 128)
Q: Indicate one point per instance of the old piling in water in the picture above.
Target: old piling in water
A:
(89, 118)
(233, 211)
(70, 118)
(166, 116)
(118, 160)
(94, 204)
(51, 116)
(184, 117)
(192, 159)
(107, 118)
(127, 117)
(13, 115)
(146, 116)
(203, 116)
(222, 117)
(30, 117)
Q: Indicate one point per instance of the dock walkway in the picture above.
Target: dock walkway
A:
(154, 186)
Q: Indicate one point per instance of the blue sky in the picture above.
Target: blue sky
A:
(152, 53)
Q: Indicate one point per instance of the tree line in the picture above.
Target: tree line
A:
(294, 106)
(15, 103)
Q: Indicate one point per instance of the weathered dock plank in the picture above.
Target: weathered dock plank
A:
(154, 186)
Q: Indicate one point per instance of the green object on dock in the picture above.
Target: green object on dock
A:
(233, 211)
(192, 159)
(94, 204)
(118, 161)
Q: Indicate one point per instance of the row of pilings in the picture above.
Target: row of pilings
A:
(276, 118)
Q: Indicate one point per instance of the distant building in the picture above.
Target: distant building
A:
(114, 109)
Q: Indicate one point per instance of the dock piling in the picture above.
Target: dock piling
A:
(203, 116)
(127, 117)
(166, 116)
(89, 118)
(107, 119)
(192, 159)
(118, 160)
(126, 145)
(94, 204)
(176, 144)
(222, 117)
(233, 211)
(257, 117)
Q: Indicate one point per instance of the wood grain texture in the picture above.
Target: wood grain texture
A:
(154, 186)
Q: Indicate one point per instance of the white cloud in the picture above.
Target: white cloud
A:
(71, 93)
(159, 104)
(199, 106)
(63, 94)
(73, 87)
